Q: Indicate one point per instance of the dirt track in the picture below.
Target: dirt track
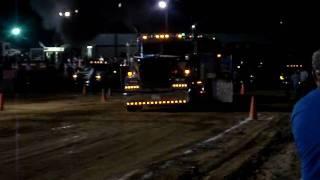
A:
(83, 139)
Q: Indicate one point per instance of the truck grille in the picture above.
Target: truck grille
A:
(155, 74)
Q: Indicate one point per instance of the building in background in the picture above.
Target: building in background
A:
(111, 46)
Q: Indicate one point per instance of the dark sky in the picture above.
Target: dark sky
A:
(40, 18)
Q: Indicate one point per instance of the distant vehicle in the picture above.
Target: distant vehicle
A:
(285, 75)
(176, 69)
(98, 74)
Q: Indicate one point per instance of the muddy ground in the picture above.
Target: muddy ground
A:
(82, 138)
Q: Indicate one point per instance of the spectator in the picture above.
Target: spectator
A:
(305, 127)
(295, 79)
(304, 76)
(306, 83)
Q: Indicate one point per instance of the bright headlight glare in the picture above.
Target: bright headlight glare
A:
(130, 74)
(187, 72)
(98, 77)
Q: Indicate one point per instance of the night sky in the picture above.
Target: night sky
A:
(295, 23)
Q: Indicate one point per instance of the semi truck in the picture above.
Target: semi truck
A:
(177, 69)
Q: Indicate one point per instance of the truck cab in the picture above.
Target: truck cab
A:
(96, 75)
(172, 69)
(158, 80)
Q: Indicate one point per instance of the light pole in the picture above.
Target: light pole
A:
(193, 27)
(163, 5)
(195, 37)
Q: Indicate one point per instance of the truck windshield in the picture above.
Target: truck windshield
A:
(101, 67)
(156, 72)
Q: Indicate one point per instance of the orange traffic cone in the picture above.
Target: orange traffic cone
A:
(1, 102)
(103, 96)
(253, 110)
(242, 90)
(84, 90)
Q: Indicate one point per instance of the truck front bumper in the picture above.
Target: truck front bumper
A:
(158, 99)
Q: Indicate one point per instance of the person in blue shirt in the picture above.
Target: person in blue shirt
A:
(306, 127)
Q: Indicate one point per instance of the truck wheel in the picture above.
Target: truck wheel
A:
(134, 108)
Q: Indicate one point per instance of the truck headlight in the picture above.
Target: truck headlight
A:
(133, 87)
(187, 72)
(75, 76)
(179, 86)
(98, 77)
(130, 74)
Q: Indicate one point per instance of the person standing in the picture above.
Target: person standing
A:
(305, 121)
(295, 79)
(304, 75)
(305, 85)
